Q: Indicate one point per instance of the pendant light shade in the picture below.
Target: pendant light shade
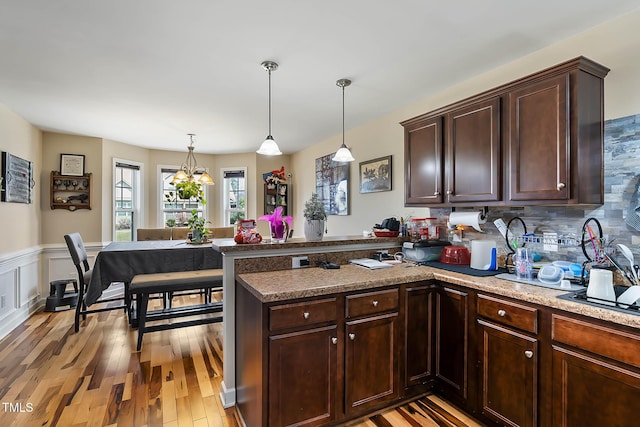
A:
(343, 154)
(269, 146)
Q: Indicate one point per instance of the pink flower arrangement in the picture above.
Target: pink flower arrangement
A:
(277, 222)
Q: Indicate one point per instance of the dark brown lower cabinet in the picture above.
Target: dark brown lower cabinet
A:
(509, 375)
(418, 337)
(451, 341)
(589, 391)
(303, 377)
(371, 363)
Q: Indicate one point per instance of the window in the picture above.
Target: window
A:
(126, 200)
(234, 195)
(173, 207)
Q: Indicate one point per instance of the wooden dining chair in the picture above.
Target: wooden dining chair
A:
(180, 233)
(79, 257)
(153, 234)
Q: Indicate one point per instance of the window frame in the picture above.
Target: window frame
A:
(137, 190)
(202, 209)
(225, 212)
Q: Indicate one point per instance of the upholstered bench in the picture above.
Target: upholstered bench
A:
(143, 285)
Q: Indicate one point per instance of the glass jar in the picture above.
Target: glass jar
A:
(423, 229)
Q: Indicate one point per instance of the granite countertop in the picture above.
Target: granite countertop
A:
(229, 245)
(282, 285)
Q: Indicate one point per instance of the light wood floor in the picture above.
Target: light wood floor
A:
(50, 376)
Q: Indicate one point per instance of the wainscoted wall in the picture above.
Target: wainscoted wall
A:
(622, 172)
(25, 278)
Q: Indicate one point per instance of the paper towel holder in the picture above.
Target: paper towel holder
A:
(483, 213)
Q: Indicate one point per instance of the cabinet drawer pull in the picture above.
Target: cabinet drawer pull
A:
(528, 354)
(561, 185)
(502, 313)
(334, 340)
(375, 303)
(352, 337)
(305, 315)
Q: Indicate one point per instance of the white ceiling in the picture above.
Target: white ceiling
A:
(147, 72)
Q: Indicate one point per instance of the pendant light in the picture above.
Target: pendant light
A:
(343, 154)
(190, 167)
(269, 146)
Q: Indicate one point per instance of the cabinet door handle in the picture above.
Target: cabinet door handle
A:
(352, 337)
(502, 313)
(375, 303)
(334, 340)
(437, 193)
(449, 192)
(305, 315)
(528, 354)
(561, 185)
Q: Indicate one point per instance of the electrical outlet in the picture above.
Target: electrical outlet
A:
(299, 262)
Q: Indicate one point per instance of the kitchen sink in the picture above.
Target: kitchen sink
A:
(535, 282)
(581, 297)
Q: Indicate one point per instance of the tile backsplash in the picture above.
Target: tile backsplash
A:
(621, 179)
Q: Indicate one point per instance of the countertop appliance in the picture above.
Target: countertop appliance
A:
(428, 250)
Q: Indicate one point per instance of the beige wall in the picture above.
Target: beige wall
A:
(58, 222)
(613, 44)
(20, 222)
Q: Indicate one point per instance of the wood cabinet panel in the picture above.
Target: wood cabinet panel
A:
(418, 348)
(371, 362)
(451, 341)
(509, 376)
(473, 167)
(307, 313)
(590, 392)
(303, 377)
(423, 160)
(539, 141)
(608, 342)
(508, 313)
(365, 304)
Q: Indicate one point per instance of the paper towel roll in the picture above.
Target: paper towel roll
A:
(474, 219)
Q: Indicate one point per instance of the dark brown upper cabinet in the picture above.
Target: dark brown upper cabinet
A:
(534, 141)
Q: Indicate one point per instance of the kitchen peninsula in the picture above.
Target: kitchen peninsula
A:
(264, 257)
(506, 352)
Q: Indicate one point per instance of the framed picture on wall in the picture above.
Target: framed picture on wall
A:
(375, 175)
(72, 164)
(332, 185)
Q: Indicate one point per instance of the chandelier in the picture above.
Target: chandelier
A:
(190, 167)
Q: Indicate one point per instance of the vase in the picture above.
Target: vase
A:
(279, 232)
(313, 229)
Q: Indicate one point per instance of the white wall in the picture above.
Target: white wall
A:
(614, 44)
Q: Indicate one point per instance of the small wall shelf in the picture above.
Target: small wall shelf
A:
(70, 192)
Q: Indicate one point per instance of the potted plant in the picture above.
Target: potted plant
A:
(197, 225)
(186, 190)
(314, 219)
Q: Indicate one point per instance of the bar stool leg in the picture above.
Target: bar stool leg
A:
(143, 300)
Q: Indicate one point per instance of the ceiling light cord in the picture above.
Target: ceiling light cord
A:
(343, 154)
(269, 146)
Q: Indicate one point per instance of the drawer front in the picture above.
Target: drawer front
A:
(508, 313)
(309, 313)
(371, 303)
(614, 344)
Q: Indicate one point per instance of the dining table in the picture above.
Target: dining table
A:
(121, 261)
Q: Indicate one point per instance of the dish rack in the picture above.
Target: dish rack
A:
(536, 240)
